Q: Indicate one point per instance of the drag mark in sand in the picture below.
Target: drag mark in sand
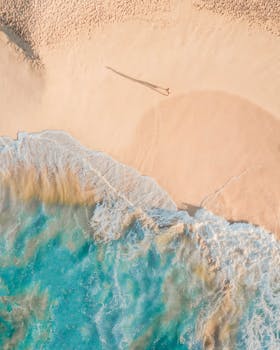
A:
(214, 194)
(158, 89)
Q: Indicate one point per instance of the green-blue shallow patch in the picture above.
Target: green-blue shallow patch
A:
(61, 289)
(87, 295)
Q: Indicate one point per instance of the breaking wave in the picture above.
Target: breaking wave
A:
(93, 255)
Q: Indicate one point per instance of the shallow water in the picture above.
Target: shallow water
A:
(110, 276)
(60, 289)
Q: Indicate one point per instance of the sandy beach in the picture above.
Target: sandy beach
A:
(184, 92)
(139, 174)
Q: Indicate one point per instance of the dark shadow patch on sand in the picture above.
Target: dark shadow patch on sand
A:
(190, 208)
(24, 46)
(241, 222)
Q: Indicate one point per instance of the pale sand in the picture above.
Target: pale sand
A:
(213, 141)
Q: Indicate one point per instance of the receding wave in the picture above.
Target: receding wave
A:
(54, 168)
(93, 255)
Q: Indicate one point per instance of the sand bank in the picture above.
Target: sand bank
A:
(211, 141)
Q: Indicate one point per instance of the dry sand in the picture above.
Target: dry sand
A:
(192, 98)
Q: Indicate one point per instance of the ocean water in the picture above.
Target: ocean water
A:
(115, 275)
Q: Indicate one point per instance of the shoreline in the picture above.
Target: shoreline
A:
(231, 262)
(53, 167)
(216, 131)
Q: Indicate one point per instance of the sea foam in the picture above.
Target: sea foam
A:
(94, 255)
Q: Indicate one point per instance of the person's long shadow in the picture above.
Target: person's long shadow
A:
(158, 89)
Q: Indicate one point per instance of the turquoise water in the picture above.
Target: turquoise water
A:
(61, 289)
(131, 272)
